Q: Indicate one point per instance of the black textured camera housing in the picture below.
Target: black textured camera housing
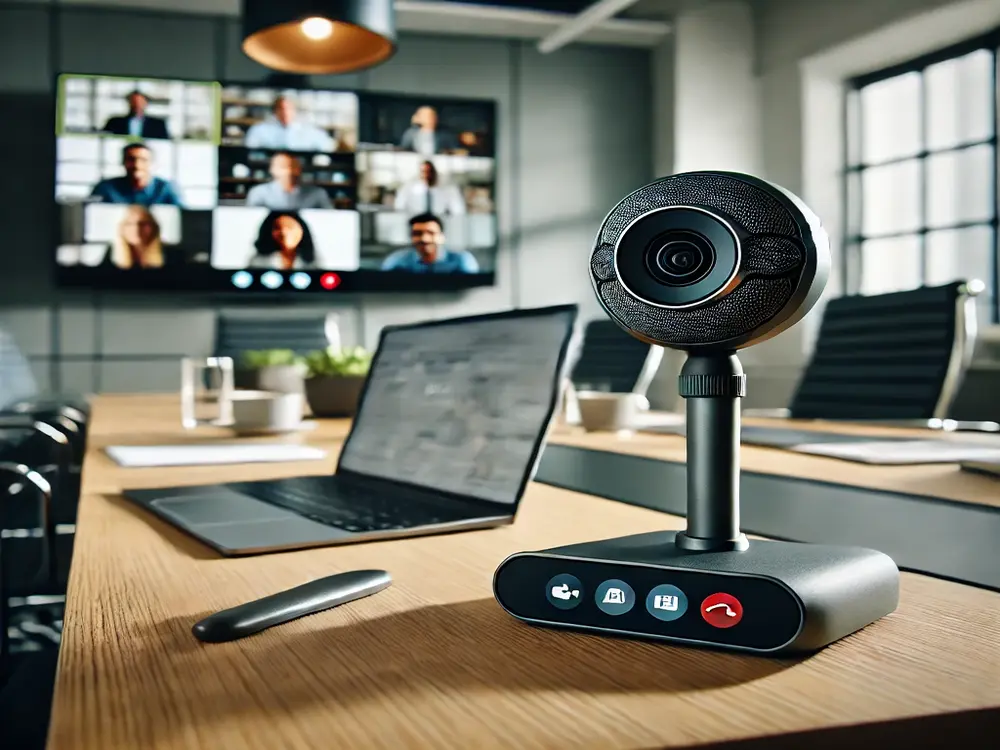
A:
(781, 268)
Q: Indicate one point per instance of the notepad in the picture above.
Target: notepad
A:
(139, 456)
(903, 452)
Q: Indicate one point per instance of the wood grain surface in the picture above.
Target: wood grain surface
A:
(433, 662)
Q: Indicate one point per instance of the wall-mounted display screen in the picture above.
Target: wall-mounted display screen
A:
(213, 186)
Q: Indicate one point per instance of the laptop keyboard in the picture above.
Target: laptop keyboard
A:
(349, 507)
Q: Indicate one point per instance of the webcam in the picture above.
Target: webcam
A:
(708, 263)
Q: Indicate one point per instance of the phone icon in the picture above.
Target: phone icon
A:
(725, 608)
(722, 610)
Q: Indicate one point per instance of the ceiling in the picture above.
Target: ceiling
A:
(643, 24)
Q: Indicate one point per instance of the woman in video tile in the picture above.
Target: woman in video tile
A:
(137, 242)
(284, 242)
(427, 195)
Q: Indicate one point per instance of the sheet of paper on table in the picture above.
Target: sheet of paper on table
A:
(139, 456)
(904, 452)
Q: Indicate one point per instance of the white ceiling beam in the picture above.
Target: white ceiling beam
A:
(576, 28)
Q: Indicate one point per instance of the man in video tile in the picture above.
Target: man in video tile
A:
(284, 130)
(426, 194)
(137, 123)
(428, 253)
(425, 137)
(138, 186)
(285, 191)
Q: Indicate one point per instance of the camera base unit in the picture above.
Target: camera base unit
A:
(769, 598)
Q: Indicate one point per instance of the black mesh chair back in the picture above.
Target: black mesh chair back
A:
(612, 360)
(236, 335)
(898, 356)
(16, 379)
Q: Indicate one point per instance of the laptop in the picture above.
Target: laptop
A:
(989, 468)
(448, 432)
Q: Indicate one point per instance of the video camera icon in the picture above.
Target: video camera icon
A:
(564, 591)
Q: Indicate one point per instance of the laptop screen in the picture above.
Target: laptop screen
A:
(459, 406)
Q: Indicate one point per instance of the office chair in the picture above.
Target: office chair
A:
(613, 361)
(29, 635)
(236, 335)
(892, 358)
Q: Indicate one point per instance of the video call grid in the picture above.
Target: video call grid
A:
(153, 173)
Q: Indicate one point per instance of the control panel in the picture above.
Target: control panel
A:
(722, 609)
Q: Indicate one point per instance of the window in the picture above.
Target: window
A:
(921, 174)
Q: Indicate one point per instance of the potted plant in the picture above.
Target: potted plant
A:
(334, 379)
(278, 370)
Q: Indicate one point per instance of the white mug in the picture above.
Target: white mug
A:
(266, 411)
(608, 412)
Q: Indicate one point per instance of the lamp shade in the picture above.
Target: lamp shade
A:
(319, 36)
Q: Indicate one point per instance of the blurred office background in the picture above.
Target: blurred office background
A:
(671, 85)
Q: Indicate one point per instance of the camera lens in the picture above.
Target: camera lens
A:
(680, 258)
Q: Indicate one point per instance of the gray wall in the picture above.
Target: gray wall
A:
(575, 136)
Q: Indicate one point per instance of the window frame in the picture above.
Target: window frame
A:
(854, 237)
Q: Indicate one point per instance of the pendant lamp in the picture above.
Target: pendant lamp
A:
(319, 36)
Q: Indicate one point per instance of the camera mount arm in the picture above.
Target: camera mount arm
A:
(712, 385)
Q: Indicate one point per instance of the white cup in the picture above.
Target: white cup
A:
(266, 411)
(608, 412)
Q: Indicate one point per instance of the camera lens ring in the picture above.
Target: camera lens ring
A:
(710, 232)
(680, 258)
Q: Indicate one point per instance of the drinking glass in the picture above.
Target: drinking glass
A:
(206, 391)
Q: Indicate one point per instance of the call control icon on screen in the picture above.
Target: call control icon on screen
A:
(272, 279)
(300, 280)
(242, 279)
(564, 591)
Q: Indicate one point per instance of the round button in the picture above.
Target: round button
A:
(722, 610)
(666, 602)
(564, 591)
(615, 597)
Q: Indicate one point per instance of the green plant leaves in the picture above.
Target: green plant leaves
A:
(352, 361)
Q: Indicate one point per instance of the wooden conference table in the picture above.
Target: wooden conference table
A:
(433, 662)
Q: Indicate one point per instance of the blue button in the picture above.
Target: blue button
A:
(272, 279)
(564, 591)
(614, 597)
(242, 279)
(666, 602)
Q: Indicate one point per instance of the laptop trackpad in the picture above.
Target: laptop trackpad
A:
(223, 506)
(234, 522)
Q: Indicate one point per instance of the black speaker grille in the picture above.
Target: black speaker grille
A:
(748, 306)
(746, 205)
(773, 258)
